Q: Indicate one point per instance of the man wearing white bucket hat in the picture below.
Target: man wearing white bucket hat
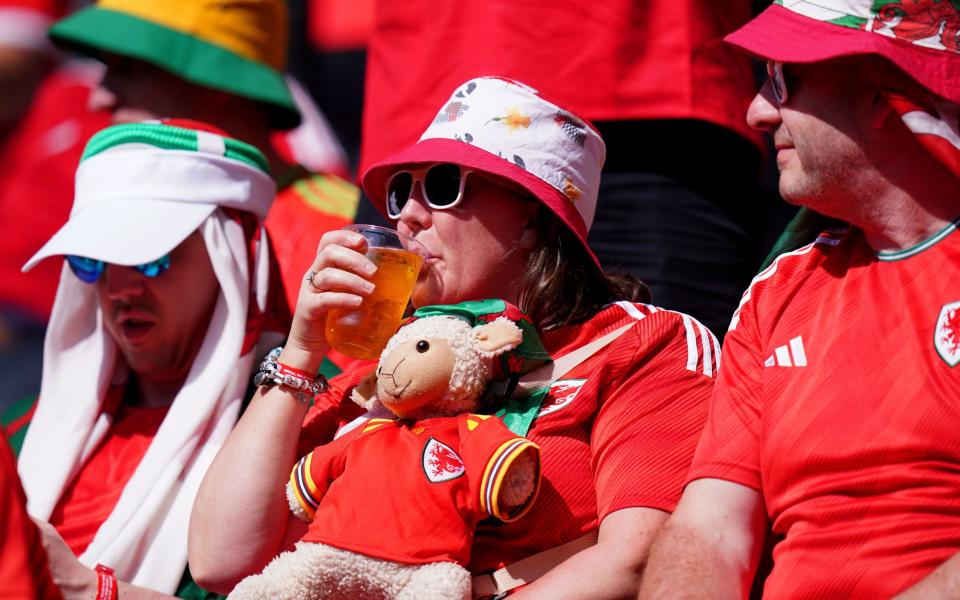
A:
(834, 421)
(163, 299)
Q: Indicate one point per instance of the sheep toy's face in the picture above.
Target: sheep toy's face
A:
(415, 374)
(437, 366)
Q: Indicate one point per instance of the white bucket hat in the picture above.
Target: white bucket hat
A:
(505, 128)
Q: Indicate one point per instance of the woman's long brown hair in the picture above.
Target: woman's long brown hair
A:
(561, 285)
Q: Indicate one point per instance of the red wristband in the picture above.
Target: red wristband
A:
(283, 369)
(107, 588)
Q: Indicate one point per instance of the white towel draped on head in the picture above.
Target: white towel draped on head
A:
(145, 537)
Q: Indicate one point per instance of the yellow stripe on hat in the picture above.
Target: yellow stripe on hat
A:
(253, 29)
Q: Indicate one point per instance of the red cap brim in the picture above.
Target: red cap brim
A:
(374, 181)
(780, 34)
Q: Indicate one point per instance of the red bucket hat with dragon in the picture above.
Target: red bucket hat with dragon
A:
(920, 37)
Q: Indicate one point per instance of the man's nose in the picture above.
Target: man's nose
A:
(122, 283)
(764, 112)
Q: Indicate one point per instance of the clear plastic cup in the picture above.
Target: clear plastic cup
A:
(364, 332)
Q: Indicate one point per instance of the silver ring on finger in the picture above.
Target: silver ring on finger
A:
(309, 279)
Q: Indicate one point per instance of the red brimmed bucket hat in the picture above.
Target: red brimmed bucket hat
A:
(506, 129)
(921, 37)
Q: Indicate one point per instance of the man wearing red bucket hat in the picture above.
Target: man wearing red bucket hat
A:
(833, 422)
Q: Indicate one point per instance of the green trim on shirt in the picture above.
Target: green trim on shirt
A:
(917, 249)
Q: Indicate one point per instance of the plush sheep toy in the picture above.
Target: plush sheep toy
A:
(393, 502)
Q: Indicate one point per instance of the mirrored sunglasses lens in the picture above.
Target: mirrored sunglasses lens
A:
(87, 270)
(398, 192)
(775, 72)
(154, 268)
(441, 184)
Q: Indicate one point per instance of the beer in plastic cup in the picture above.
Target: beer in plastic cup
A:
(364, 332)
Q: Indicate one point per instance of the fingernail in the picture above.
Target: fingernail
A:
(356, 300)
(368, 287)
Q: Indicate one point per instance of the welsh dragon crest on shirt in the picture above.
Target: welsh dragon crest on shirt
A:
(946, 336)
(440, 462)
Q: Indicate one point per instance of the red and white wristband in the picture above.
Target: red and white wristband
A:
(107, 586)
(303, 384)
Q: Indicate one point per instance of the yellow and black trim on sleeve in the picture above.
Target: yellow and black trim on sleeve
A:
(304, 489)
(497, 468)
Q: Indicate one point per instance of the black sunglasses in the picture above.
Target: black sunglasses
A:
(442, 185)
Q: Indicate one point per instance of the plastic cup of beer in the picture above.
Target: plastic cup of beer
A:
(364, 332)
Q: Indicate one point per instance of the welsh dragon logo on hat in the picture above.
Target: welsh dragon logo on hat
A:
(933, 24)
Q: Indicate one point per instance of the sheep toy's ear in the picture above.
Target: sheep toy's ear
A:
(497, 337)
(365, 392)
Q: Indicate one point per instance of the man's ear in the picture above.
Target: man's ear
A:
(498, 336)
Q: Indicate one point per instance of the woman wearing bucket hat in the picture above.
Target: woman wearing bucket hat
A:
(501, 190)
(832, 429)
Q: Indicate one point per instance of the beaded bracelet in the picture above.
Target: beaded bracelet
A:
(303, 385)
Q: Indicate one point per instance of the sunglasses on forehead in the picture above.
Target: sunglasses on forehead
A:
(88, 270)
(441, 185)
(777, 82)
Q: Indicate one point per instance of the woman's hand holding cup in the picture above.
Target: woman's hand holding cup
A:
(339, 278)
(354, 295)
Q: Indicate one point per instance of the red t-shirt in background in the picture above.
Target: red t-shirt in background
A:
(24, 572)
(90, 498)
(837, 401)
(37, 166)
(605, 61)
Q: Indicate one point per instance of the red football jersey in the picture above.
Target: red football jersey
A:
(91, 497)
(436, 478)
(839, 401)
(618, 431)
(24, 572)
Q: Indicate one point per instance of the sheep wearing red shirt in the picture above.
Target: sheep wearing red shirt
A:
(432, 375)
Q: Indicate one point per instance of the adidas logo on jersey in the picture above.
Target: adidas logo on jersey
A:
(788, 355)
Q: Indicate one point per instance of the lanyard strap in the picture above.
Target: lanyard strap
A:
(522, 408)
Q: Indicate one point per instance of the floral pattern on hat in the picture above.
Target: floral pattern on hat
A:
(931, 24)
(513, 122)
(451, 112)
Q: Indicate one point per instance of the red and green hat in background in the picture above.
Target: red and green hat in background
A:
(920, 37)
(237, 46)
